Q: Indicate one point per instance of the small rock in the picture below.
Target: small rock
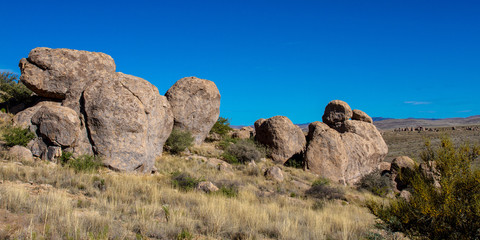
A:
(361, 116)
(21, 153)
(405, 195)
(336, 112)
(274, 173)
(207, 187)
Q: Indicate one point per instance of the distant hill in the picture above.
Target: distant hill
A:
(426, 122)
(391, 123)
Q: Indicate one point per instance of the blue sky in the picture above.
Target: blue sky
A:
(388, 58)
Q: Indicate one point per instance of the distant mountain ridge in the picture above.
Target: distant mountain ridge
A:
(392, 123)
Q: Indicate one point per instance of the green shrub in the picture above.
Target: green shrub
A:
(178, 141)
(296, 161)
(321, 190)
(226, 142)
(376, 183)
(17, 136)
(11, 90)
(244, 150)
(184, 235)
(450, 210)
(221, 127)
(82, 163)
(184, 181)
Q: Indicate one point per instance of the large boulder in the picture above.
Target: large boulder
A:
(343, 150)
(284, 138)
(128, 121)
(326, 154)
(196, 106)
(243, 133)
(401, 166)
(88, 108)
(336, 112)
(63, 73)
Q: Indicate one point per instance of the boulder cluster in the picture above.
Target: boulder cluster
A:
(343, 148)
(87, 107)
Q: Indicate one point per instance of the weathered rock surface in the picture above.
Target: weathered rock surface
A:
(274, 173)
(90, 108)
(21, 153)
(336, 112)
(343, 150)
(326, 154)
(283, 137)
(196, 106)
(361, 116)
(243, 133)
(128, 121)
(59, 125)
(400, 165)
(63, 73)
(207, 187)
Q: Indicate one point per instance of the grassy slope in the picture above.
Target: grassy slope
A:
(54, 202)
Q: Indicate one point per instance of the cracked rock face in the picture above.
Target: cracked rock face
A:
(196, 106)
(93, 109)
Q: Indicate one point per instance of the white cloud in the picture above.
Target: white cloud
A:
(417, 102)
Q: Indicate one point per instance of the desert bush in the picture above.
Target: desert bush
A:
(184, 181)
(376, 183)
(242, 151)
(178, 141)
(449, 209)
(226, 142)
(17, 136)
(11, 90)
(296, 161)
(82, 163)
(221, 127)
(320, 189)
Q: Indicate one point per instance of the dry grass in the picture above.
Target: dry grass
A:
(411, 143)
(58, 203)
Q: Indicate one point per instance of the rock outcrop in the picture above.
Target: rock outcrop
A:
(361, 116)
(284, 138)
(196, 106)
(91, 109)
(243, 133)
(343, 150)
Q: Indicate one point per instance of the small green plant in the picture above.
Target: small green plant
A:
(221, 127)
(184, 235)
(443, 206)
(296, 161)
(244, 150)
(226, 142)
(166, 210)
(82, 163)
(320, 189)
(17, 136)
(178, 141)
(184, 181)
(321, 181)
(375, 183)
(229, 191)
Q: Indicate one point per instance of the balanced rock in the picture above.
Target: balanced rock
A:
(336, 112)
(89, 108)
(361, 116)
(343, 150)
(196, 106)
(284, 138)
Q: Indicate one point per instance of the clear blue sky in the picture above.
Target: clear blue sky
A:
(390, 58)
